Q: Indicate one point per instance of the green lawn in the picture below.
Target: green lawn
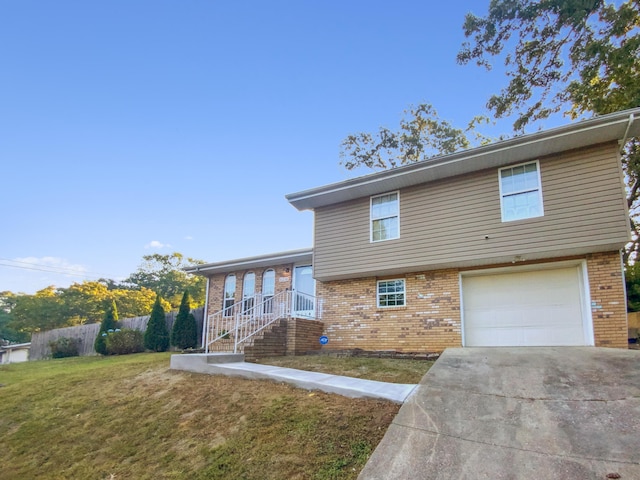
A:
(129, 417)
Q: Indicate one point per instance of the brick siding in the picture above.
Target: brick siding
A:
(430, 321)
(608, 301)
(284, 275)
(303, 336)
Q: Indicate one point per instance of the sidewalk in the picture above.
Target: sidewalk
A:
(233, 365)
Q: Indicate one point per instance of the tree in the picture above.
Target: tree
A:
(109, 322)
(85, 302)
(632, 280)
(184, 333)
(422, 134)
(134, 302)
(164, 275)
(9, 334)
(39, 312)
(156, 337)
(580, 56)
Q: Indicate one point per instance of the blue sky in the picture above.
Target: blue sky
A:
(135, 127)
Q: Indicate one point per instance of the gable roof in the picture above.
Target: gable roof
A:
(269, 260)
(601, 129)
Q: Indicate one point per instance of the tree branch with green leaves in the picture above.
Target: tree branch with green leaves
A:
(422, 134)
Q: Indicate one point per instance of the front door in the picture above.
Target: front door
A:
(304, 287)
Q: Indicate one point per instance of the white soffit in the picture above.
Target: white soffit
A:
(605, 128)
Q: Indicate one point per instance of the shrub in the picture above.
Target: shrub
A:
(184, 333)
(109, 322)
(65, 347)
(156, 337)
(122, 342)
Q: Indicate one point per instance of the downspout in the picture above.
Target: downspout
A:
(626, 132)
(205, 319)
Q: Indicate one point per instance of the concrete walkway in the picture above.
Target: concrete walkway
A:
(518, 413)
(234, 366)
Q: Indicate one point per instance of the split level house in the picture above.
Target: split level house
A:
(517, 243)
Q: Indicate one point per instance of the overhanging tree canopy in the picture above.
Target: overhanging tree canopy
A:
(576, 56)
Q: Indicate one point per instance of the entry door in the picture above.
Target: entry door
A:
(304, 287)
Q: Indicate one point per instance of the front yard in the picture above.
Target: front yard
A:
(130, 417)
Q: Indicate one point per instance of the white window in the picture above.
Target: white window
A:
(229, 295)
(268, 290)
(385, 217)
(248, 291)
(391, 293)
(520, 192)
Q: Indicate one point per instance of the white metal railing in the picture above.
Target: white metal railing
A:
(235, 326)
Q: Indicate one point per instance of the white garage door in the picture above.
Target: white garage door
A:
(525, 308)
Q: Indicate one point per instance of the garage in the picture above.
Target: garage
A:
(526, 306)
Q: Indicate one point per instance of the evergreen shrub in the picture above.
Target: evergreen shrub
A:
(184, 333)
(109, 323)
(156, 337)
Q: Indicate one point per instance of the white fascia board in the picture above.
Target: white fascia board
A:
(15, 346)
(605, 128)
(268, 260)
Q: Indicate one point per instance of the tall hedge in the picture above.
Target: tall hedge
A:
(184, 333)
(109, 322)
(156, 337)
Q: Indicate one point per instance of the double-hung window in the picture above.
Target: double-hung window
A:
(391, 293)
(385, 213)
(521, 192)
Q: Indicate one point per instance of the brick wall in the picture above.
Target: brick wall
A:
(430, 321)
(303, 336)
(608, 307)
(216, 284)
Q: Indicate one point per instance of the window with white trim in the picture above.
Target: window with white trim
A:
(385, 217)
(521, 192)
(229, 295)
(248, 291)
(391, 293)
(268, 290)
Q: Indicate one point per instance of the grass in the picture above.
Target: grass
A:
(130, 417)
(381, 369)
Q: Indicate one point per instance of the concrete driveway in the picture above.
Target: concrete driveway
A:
(518, 413)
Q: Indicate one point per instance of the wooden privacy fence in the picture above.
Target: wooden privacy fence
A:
(87, 333)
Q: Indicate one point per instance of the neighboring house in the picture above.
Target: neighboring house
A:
(517, 243)
(15, 353)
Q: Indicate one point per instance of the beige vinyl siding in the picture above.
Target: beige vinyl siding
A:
(444, 223)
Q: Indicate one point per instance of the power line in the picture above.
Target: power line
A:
(53, 267)
(59, 271)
